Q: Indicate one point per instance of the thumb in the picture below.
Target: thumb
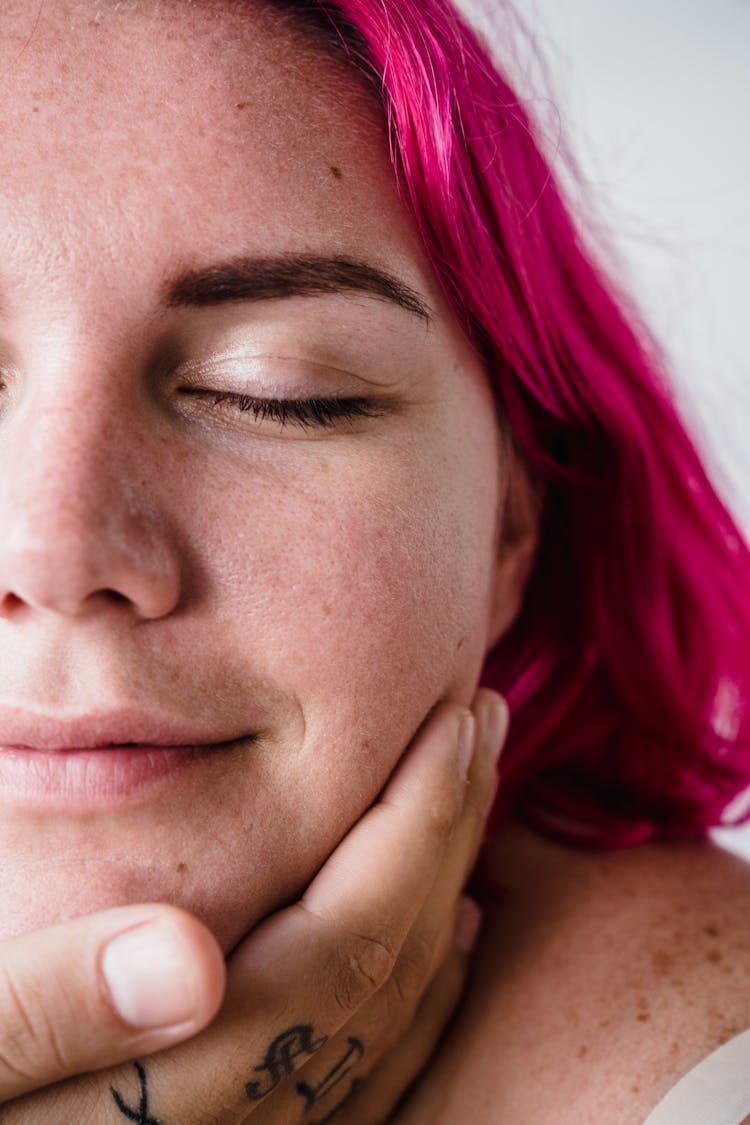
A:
(101, 989)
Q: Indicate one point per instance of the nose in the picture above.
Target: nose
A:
(80, 525)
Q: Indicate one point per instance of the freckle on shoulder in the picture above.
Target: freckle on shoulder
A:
(606, 977)
(655, 938)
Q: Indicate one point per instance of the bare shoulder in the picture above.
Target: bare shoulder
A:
(599, 980)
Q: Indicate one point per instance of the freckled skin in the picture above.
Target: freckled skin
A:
(595, 987)
(343, 584)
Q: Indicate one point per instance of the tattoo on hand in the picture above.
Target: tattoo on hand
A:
(141, 1115)
(280, 1057)
(300, 1042)
(336, 1075)
(278, 1064)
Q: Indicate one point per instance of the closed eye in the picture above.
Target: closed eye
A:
(307, 413)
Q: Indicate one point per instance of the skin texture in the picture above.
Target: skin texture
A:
(323, 589)
(317, 590)
(367, 957)
(600, 979)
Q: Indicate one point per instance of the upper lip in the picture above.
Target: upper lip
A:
(98, 730)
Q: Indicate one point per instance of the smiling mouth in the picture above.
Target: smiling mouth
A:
(84, 779)
(115, 756)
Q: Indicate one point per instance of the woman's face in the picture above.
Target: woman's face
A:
(304, 590)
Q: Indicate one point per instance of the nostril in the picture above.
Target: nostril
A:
(11, 601)
(69, 574)
(115, 596)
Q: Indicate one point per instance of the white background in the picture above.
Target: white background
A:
(653, 97)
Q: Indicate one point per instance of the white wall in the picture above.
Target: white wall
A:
(654, 99)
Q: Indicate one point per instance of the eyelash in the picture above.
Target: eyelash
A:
(322, 413)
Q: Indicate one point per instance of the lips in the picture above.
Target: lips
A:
(103, 729)
(102, 760)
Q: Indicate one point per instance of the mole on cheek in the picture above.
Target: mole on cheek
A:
(336, 173)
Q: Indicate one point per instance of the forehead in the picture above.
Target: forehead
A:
(137, 132)
(114, 67)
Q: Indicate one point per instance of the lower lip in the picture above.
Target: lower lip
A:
(88, 779)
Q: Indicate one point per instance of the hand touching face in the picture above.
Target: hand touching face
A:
(250, 473)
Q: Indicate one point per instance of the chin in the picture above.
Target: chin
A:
(228, 874)
(40, 894)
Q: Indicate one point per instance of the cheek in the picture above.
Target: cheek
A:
(363, 590)
(353, 591)
(357, 589)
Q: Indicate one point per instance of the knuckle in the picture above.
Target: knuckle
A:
(28, 1033)
(412, 971)
(364, 965)
(443, 813)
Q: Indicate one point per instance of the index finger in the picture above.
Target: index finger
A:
(403, 835)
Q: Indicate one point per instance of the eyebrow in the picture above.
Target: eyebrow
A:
(272, 278)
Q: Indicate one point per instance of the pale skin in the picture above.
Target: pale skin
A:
(318, 590)
(332, 1005)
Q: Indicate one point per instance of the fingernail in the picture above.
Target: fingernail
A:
(465, 743)
(468, 921)
(150, 978)
(497, 726)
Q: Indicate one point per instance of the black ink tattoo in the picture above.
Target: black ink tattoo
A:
(356, 1083)
(141, 1115)
(336, 1075)
(280, 1058)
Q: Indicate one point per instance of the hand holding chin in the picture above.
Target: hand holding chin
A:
(332, 1005)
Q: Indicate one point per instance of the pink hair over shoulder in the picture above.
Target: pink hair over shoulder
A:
(628, 671)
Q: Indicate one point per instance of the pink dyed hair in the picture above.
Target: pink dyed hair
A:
(627, 670)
